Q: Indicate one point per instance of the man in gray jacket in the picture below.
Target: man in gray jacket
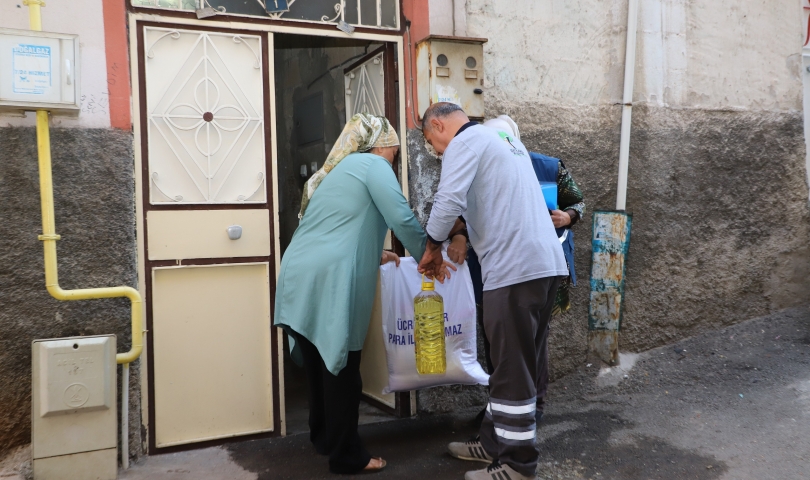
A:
(488, 179)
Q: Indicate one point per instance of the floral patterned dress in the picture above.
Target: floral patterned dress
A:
(569, 197)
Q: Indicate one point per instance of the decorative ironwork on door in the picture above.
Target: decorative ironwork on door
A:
(383, 14)
(365, 88)
(205, 116)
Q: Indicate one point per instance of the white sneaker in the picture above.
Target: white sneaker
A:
(497, 471)
(472, 450)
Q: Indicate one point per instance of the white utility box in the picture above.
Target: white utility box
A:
(39, 71)
(74, 419)
(451, 69)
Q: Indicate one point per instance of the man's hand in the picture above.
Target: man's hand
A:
(432, 260)
(389, 257)
(457, 251)
(560, 218)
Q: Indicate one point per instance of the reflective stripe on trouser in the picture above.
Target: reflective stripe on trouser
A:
(515, 319)
(512, 421)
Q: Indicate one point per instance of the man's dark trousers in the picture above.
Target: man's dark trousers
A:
(515, 320)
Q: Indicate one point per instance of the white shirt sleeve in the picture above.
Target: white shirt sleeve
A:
(459, 166)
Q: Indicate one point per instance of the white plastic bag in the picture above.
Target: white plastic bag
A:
(399, 286)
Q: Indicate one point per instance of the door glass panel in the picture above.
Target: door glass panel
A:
(205, 117)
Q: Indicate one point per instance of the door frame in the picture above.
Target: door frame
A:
(136, 22)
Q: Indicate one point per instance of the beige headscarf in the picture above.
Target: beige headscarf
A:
(504, 123)
(362, 133)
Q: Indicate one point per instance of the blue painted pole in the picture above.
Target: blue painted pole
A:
(611, 242)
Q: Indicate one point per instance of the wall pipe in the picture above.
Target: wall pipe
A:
(125, 416)
(627, 104)
(49, 238)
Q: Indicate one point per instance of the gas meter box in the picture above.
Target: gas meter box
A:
(451, 69)
(39, 71)
(74, 419)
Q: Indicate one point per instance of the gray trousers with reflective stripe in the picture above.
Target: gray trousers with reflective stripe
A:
(515, 320)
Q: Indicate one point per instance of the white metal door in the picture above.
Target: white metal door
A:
(365, 93)
(210, 337)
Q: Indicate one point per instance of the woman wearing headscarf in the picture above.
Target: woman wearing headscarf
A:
(328, 279)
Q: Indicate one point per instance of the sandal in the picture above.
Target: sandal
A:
(380, 464)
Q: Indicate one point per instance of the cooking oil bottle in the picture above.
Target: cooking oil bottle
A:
(428, 309)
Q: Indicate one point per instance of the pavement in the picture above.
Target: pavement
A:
(729, 404)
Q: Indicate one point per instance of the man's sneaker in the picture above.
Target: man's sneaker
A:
(497, 471)
(472, 450)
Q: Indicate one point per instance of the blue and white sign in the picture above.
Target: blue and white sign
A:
(276, 6)
(32, 69)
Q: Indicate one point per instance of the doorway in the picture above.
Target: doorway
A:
(217, 208)
(320, 83)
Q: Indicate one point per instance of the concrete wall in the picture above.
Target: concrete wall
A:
(94, 191)
(717, 180)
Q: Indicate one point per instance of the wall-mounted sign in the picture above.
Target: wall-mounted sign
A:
(31, 65)
(39, 71)
(276, 6)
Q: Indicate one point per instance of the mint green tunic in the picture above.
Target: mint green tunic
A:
(328, 275)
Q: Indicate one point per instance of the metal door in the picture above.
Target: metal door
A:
(208, 235)
(366, 93)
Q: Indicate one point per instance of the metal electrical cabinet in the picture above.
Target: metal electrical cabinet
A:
(39, 70)
(74, 414)
(451, 69)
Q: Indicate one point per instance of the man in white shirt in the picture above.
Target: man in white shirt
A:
(489, 180)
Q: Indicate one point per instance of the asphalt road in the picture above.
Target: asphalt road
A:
(729, 404)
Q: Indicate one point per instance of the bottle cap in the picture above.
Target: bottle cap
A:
(428, 285)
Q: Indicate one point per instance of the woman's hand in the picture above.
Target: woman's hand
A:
(560, 218)
(444, 271)
(457, 251)
(389, 257)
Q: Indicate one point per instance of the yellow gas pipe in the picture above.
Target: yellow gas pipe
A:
(49, 236)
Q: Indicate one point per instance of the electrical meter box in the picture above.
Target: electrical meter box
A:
(451, 69)
(39, 71)
(74, 414)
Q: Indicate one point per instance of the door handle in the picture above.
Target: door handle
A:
(234, 232)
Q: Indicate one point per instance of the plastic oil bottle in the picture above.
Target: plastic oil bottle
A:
(428, 309)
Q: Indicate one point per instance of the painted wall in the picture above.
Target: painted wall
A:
(717, 150)
(86, 19)
(697, 54)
